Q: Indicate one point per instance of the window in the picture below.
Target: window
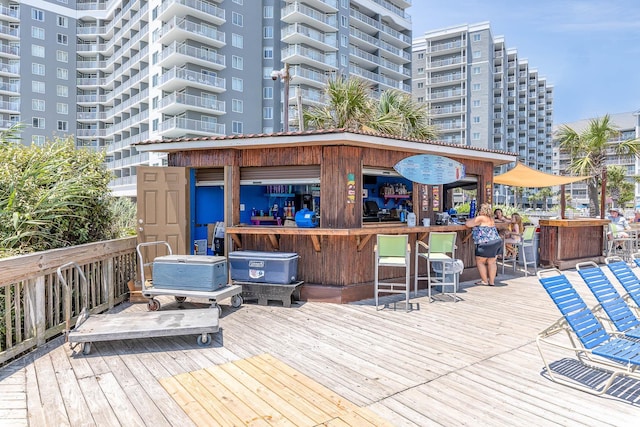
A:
(477, 37)
(37, 87)
(237, 41)
(475, 136)
(343, 60)
(37, 104)
(63, 21)
(237, 62)
(420, 85)
(62, 90)
(62, 56)
(267, 12)
(62, 73)
(37, 15)
(267, 53)
(63, 125)
(476, 119)
(267, 93)
(344, 21)
(38, 122)
(37, 33)
(421, 55)
(268, 32)
(63, 39)
(236, 127)
(154, 124)
(267, 113)
(38, 140)
(237, 19)
(37, 69)
(344, 40)
(237, 106)
(420, 70)
(477, 54)
(37, 50)
(62, 108)
(344, 3)
(476, 70)
(476, 102)
(476, 86)
(237, 84)
(421, 99)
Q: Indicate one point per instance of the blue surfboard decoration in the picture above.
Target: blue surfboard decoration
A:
(430, 169)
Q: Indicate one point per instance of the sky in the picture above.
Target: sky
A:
(589, 50)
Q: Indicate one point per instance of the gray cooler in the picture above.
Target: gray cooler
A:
(190, 272)
(264, 267)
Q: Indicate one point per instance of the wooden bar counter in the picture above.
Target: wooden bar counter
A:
(566, 242)
(337, 265)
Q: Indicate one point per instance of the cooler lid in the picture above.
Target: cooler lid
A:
(262, 255)
(190, 259)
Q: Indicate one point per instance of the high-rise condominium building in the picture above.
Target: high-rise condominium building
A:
(115, 72)
(628, 126)
(481, 94)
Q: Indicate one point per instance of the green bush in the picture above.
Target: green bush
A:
(52, 196)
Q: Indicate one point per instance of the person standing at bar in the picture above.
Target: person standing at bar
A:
(488, 244)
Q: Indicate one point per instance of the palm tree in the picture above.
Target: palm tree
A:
(350, 105)
(588, 151)
(620, 190)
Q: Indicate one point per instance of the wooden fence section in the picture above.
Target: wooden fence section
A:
(31, 295)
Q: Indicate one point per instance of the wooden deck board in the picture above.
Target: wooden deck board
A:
(470, 362)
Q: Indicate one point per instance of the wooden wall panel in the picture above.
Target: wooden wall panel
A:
(337, 163)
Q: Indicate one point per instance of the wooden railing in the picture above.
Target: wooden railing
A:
(31, 295)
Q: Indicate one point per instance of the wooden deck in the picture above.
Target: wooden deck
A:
(473, 362)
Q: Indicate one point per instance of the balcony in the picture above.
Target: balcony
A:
(180, 53)
(179, 78)
(304, 55)
(207, 11)
(177, 103)
(302, 34)
(301, 13)
(305, 76)
(177, 127)
(9, 51)
(11, 89)
(181, 29)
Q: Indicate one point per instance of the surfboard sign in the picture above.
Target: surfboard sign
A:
(430, 169)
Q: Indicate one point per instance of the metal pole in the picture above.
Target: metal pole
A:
(285, 77)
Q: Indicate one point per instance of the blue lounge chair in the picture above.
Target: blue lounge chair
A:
(627, 279)
(621, 316)
(618, 355)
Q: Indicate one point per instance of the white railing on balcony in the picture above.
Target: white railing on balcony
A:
(193, 101)
(192, 125)
(329, 19)
(202, 6)
(193, 76)
(10, 49)
(445, 46)
(329, 39)
(192, 51)
(192, 27)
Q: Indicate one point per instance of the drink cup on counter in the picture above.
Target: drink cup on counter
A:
(426, 222)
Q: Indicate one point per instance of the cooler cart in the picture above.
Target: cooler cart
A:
(132, 325)
(188, 276)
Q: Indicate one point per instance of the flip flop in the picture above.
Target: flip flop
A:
(481, 283)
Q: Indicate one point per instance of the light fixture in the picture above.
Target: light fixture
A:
(284, 76)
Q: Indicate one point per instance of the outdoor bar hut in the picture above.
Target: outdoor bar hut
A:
(252, 186)
(563, 242)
